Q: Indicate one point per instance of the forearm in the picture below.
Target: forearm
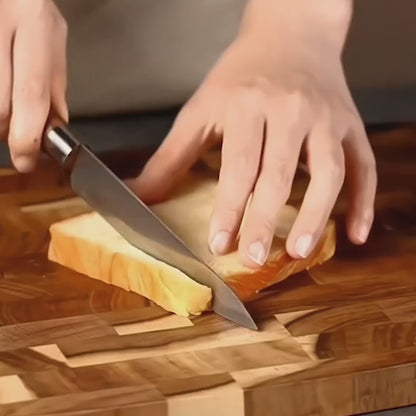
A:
(303, 21)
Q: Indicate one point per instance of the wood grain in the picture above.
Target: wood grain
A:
(336, 340)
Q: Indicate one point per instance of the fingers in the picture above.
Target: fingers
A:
(280, 157)
(32, 70)
(327, 167)
(362, 185)
(59, 71)
(182, 147)
(241, 152)
(5, 82)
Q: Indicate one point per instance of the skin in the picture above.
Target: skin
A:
(277, 89)
(32, 75)
(279, 86)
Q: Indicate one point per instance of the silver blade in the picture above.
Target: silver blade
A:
(111, 198)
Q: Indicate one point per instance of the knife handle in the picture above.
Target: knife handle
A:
(59, 143)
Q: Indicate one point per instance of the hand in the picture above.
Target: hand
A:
(32, 75)
(278, 86)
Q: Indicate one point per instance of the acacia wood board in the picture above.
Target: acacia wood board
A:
(336, 340)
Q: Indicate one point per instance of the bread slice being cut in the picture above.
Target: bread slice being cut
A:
(89, 245)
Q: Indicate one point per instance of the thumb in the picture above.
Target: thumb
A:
(181, 148)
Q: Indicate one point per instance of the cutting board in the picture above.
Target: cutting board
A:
(337, 340)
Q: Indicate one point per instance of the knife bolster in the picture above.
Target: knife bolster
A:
(61, 146)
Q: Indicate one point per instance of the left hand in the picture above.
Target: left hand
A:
(264, 106)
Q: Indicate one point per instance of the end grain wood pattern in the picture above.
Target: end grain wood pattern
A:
(336, 340)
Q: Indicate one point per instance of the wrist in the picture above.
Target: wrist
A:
(302, 21)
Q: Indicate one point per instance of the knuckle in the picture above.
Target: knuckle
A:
(43, 12)
(301, 88)
(295, 108)
(260, 224)
(330, 121)
(250, 96)
(298, 104)
(369, 168)
(61, 26)
(335, 169)
(24, 145)
(36, 89)
(249, 176)
(33, 9)
(244, 169)
(44, 6)
(256, 83)
(267, 225)
(353, 118)
(278, 178)
(334, 126)
(190, 109)
(296, 99)
(228, 215)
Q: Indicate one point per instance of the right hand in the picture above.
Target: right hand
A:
(278, 87)
(33, 38)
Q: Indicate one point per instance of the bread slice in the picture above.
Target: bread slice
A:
(89, 245)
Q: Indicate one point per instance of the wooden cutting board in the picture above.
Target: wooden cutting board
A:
(338, 340)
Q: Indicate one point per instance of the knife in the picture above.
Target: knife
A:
(103, 191)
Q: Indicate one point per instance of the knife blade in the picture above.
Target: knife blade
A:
(108, 195)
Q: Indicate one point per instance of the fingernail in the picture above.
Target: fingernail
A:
(219, 243)
(303, 245)
(23, 164)
(257, 253)
(362, 233)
